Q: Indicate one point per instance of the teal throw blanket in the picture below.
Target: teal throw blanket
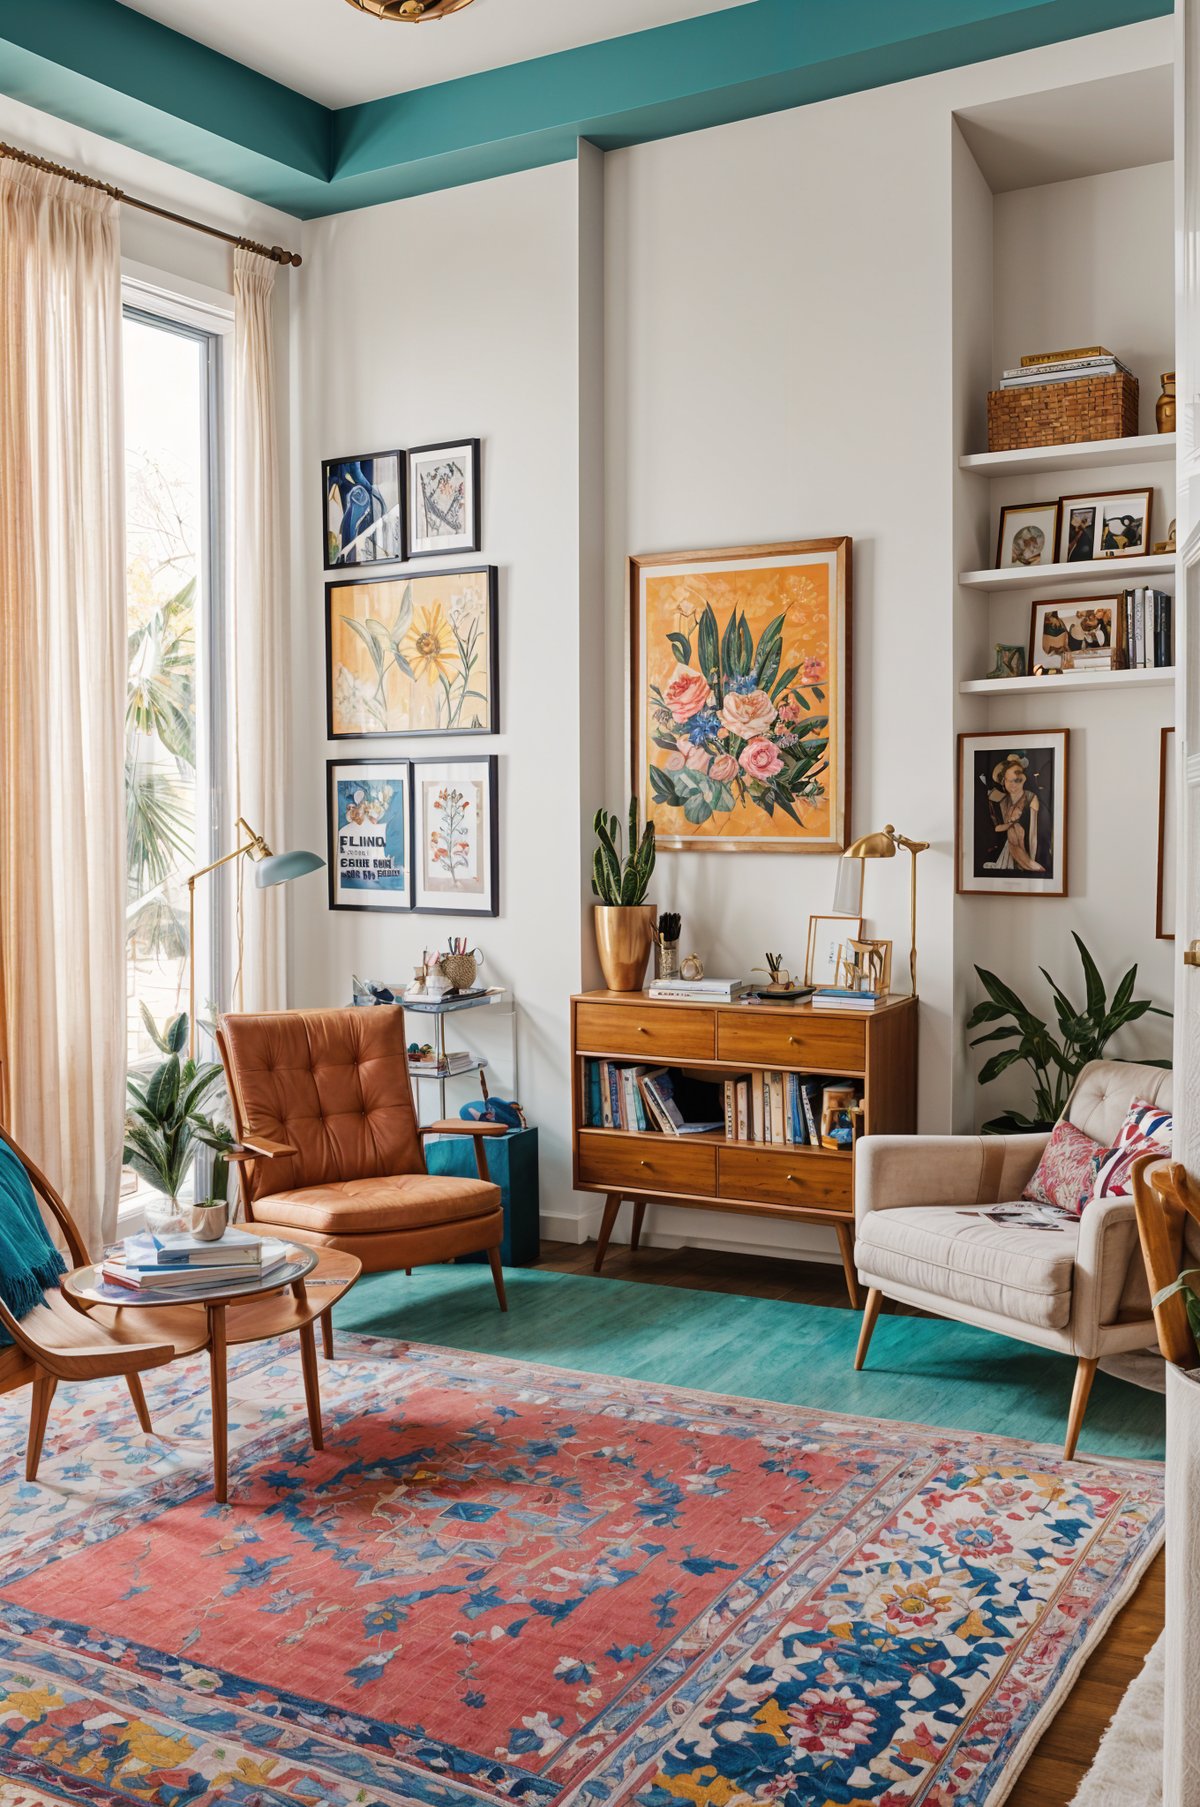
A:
(29, 1261)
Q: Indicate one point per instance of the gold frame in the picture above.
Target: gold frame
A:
(826, 916)
(874, 944)
(842, 547)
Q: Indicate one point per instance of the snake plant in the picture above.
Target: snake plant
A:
(616, 880)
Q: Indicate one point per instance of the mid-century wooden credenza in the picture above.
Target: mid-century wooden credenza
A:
(710, 1172)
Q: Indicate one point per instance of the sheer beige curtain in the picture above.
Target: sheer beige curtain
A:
(259, 639)
(62, 688)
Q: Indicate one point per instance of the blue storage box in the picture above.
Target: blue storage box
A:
(512, 1163)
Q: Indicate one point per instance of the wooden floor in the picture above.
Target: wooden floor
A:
(1066, 1749)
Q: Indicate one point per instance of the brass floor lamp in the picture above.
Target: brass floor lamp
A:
(884, 845)
(269, 869)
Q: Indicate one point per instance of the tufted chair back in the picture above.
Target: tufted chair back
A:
(334, 1084)
(1105, 1090)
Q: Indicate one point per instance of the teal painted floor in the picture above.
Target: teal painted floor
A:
(920, 1370)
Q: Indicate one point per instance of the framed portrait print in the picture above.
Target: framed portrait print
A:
(1112, 524)
(828, 938)
(1012, 814)
(444, 513)
(740, 708)
(1084, 624)
(370, 834)
(456, 836)
(1168, 795)
(412, 655)
(1028, 534)
(363, 503)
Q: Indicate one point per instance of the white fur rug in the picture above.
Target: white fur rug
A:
(1128, 1765)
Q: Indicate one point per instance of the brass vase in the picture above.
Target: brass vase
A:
(1164, 407)
(623, 936)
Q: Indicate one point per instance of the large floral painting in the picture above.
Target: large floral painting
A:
(413, 655)
(740, 666)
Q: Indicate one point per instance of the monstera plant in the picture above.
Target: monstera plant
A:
(1055, 1061)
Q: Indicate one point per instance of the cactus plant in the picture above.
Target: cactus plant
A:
(616, 881)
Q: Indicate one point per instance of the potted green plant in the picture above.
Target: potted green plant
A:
(165, 1125)
(1055, 1061)
(624, 920)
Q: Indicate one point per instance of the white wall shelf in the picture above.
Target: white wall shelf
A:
(1070, 680)
(1034, 460)
(1121, 573)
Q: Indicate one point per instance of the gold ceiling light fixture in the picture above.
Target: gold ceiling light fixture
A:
(410, 12)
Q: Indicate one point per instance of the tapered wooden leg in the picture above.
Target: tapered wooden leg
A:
(139, 1401)
(219, 1384)
(327, 1334)
(612, 1205)
(1085, 1374)
(845, 1236)
(870, 1314)
(498, 1277)
(639, 1212)
(39, 1410)
(312, 1384)
(408, 1271)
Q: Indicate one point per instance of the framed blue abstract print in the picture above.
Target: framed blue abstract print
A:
(363, 503)
(370, 834)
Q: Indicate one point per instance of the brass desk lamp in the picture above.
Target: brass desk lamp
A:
(883, 845)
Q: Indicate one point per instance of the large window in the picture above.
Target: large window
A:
(173, 590)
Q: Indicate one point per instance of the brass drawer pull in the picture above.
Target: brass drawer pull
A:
(642, 1029)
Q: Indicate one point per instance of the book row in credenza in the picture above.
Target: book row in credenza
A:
(728, 1056)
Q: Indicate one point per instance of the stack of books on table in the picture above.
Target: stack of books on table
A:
(836, 997)
(146, 1262)
(699, 991)
(1063, 367)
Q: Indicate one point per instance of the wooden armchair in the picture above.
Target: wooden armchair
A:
(56, 1341)
(1167, 1203)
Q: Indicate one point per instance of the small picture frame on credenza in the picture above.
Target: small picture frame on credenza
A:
(827, 936)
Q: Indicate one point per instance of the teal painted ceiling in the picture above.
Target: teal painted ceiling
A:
(113, 70)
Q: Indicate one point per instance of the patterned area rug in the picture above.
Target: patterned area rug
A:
(510, 1583)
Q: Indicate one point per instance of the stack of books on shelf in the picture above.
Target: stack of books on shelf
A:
(147, 1263)
(651, 1099)
(779, 1108)
(457, 1060)
(837, 997)
(1063, 367)
(696, 991)
(1147, 620)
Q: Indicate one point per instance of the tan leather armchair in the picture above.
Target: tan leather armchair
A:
(322, 1101)
(1080, 1289)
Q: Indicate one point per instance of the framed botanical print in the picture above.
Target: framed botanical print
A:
(828, 939)
(412, 654)
(1168, 795)
(1012, 814)
(1112, 524)
(1028, 534)
(456, 836)
(740, 710)
(363, 505)
(1085, 624)
(444, 513)
(370, 834)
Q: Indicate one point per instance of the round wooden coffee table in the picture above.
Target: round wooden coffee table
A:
(292, 1297)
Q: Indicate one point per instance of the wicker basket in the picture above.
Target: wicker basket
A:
(1096, 407)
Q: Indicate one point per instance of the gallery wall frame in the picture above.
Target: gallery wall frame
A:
(444, 499)
(420, 850)
(1004, 783)
(368, 812)
(370, 488)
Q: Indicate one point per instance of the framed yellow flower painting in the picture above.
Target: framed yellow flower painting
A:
(740, 672)
(413, 655)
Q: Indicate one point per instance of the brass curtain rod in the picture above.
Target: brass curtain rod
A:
(275, 252)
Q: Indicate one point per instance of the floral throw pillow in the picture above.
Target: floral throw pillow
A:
(1065, 1173)
(1147, 1129)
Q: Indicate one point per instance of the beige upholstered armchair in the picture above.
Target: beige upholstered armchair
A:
(921, 1238)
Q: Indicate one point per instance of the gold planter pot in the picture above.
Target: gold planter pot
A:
(623, 936)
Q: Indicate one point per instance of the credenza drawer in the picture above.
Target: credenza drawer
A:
(647, 1032)
(832, 1043)
(649, 1163)
(793, 1176)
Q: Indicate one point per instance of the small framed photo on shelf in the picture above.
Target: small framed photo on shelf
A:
(456, 836)
(1028, 534)
(1059, 632)
(866, 966)
(1012, 814)
(1168, 792)
(363, 505)
(370, 834)
(827, 936)
(1112, 524)
(444, 513)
